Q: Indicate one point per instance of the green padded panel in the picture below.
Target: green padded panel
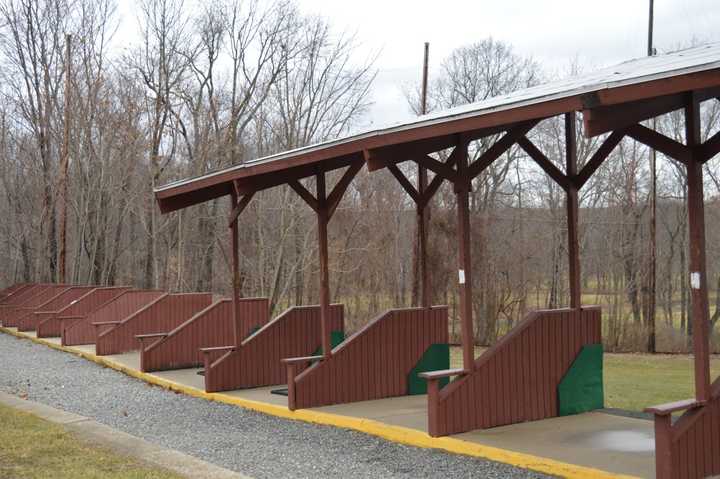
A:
(581, 389)
(336, 337)
(435, 358)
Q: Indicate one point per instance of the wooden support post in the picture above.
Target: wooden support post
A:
(237, 327)
(462, 190)
(422, 220)
(323, 219)
(698, 274)
(572, 211)
(663, 447)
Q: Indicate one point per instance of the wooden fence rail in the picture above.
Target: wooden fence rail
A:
(517, 379)
(51, 326)
(374, 363)
(212, 327)
(30, 320)
(690, 447)
(10, 315)
(163, 314)
(83, 331)
(258, 361)
(10, 290)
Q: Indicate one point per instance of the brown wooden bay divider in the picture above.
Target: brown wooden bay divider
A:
(163, 314)
(258, 360)
(689, 448)
(373, 363)
(517, 379)
(82, 331)
(6, 293)
(211, 327)
(30, 320)
(22, 296)
(52, 325)
(10, 315)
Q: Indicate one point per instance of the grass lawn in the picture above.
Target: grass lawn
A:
(34, 448)
(636, 381)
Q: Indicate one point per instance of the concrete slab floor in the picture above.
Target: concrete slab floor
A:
(611, 443)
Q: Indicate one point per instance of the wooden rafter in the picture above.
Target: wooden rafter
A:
(598, 157)
(437, 167)
(436, 182)
(710, 148)
(500, 147)
(543, 162)
(239, 208)
(303, 193)
(405, 183)
(333, 200)
(660, 142)
(604, 119)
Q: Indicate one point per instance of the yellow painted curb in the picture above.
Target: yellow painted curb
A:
(399, 434)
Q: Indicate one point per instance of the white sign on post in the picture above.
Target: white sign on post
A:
(461, 276)
(695, 280)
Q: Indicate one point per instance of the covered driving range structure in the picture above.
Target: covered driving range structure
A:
(548, 365)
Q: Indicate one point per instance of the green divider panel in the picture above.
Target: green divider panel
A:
(581, 389)
(435, 358)
(336, 337)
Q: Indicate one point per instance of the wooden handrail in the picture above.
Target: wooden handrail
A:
(105, 323)
(669, 408)
(150, 335)
(303, 359)
(217, 349)
(442, 373)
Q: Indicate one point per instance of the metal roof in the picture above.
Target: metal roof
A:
(698, 66)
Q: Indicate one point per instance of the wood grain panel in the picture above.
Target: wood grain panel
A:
(30, 320)
(211, 327)
(690, 448)
(161, 315)
(375, 362)
(128, 302)
(52, 325)
(258, 361)
(516, 380)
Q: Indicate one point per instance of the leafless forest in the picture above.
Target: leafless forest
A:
(228, 81)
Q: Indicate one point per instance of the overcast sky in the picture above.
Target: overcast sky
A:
(553, 32)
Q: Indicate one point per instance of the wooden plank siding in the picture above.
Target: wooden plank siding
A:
(374, 362)
(517, 379)
(19, 298)
(6, 293)
(52, 324)
(30, 320)
(689, 448)
(10, 315)
(83, 331)
(211, 327)
(163, 314)
(258, 361)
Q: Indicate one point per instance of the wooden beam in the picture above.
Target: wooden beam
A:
(696, 243)
(305, 194)
(710, 148)
(462, 189)
(572, 211)
(603, 119)
(598, 158)
(500, 147)
(341, 187)
(323, 219)
(405, 183)
(437, 167)
(659, 142)
(435, 184)
(544, 162)
(239, 206)
(235, 244)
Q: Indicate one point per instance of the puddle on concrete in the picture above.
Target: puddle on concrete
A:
(623, 441)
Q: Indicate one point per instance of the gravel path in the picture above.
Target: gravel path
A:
(245, 441)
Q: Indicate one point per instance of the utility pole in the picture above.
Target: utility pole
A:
(651, 346)
(65, 158)
(421, 278)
